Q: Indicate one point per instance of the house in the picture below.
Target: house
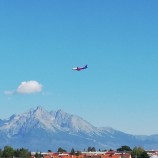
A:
(109, 154)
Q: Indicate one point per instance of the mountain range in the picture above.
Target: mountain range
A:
(40, 130)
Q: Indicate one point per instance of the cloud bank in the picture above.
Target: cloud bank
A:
(27, 87)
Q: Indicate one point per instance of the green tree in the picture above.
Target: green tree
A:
(78, 153)
(124, 148)
(144, 155)
(61, 150)
(24, 153)
(104, 150)
(16, 153)
(38, 155)
(8, 152)
(1, 152)
(139, 152)
(91, 149)
(72, 151)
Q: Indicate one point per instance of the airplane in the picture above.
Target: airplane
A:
(80, 68)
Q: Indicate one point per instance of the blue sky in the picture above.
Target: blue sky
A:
(40, 42)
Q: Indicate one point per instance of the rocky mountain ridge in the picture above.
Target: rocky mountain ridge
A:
(38, 129)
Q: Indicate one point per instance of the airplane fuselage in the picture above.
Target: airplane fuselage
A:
(80, 68)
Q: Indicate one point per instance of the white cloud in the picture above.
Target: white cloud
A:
(27, 87)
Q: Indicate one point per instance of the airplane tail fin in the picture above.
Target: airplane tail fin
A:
(86, 66)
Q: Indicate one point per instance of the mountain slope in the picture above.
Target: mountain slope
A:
(40, 130)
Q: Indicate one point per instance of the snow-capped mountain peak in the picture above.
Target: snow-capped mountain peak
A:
(38, 128)
(50, 121)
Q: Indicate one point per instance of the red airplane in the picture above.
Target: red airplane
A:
(80, 68)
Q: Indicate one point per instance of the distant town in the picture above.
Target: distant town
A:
(135, 153)
(123, 152)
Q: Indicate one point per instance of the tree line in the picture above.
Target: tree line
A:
(136, 152)
(9, 152)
